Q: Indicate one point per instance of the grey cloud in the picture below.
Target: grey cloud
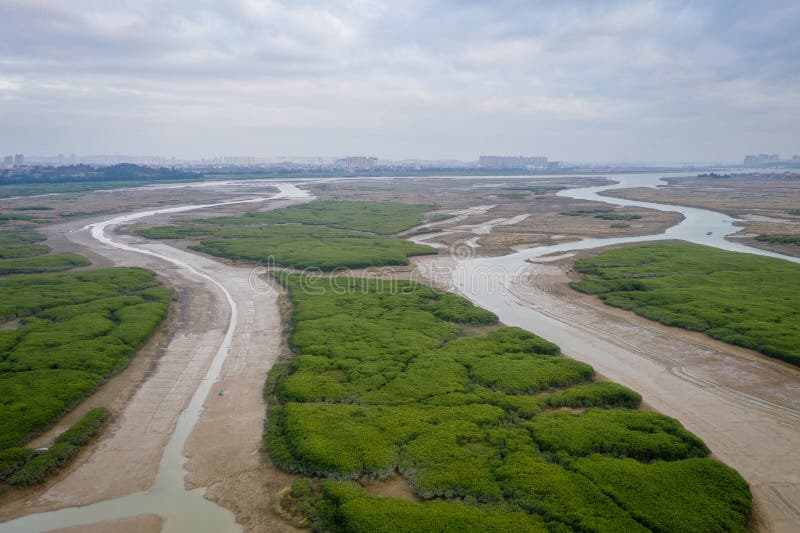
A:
(577, 80)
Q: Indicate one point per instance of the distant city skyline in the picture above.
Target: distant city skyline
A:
(608, 81)
(365, 162)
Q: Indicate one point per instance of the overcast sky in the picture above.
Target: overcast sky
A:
(576, 81)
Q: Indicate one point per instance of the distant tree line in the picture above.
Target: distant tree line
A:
(80, 173)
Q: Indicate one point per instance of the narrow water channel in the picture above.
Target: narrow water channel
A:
(182, 510)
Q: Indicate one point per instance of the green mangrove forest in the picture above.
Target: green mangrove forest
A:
(63, 335)
(21, 252)
(744, 299)
(490, 427)
(324, 235)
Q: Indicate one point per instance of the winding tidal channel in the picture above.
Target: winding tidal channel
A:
(745, 406)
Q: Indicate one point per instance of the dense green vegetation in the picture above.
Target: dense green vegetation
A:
(24, 467)
(780, 239)
(655, 493)
(601, 213)
(296, 246)
(585, 212)
(75, 330)
(349, 508)
(32, 208)
(5, 218)
(20, 253)
(617, 216)
(18, 244)
(297, 236)
(44, 263)
(383, 218)
(535, 189)
(744, 299)
(386, 380)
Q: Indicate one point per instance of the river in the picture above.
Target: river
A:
(181, 510)
(489, 283)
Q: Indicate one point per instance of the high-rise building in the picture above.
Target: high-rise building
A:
(501, 162)
(19, 160)
(761, 159)
(357, 163)
(8, 161)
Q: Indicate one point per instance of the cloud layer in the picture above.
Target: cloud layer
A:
(663, 81)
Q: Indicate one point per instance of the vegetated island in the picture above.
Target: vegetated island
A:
(21, 252)
(63, 335)
(492, 432)
(324, 234)
(744, 299)
(779, 239)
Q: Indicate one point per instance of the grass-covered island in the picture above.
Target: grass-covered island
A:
(324, 235)
(62, 336)
(744, 299)
(490, 427)
(22, 252)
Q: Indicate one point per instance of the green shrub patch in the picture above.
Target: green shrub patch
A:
(780, 239)
(383, 218)
(324, 235)
(744, 299)
(24, 467)
(347, 507)
(385, 381)
(644, 435)
(75, 330)
(43, 263)
(687, 495)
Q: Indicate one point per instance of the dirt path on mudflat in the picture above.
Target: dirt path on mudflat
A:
(744, 405)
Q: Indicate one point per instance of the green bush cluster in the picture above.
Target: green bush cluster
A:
(349, 508)
(383, 218)
(12, 459)
(32, 208)
(36, 469)
(598, 394)
(5, 218)
(44, 263)
(744, 299)
(20, 253)
(601, 213)
(18, 244)
(669, 496)
(643, 435)
(355, 250)
(617, 216)
(24, 467)
(535, 189)
(83, 430)
(75, 330)
(385, 381)
(297, 236)
(780, 239)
